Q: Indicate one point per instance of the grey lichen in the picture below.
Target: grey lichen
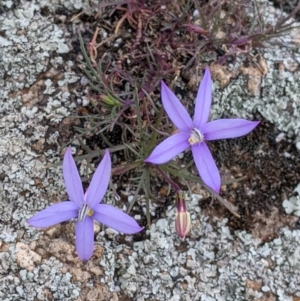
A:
(27, 42)
(234, 261)
(212, 264)
(292, 205)
(33, 285)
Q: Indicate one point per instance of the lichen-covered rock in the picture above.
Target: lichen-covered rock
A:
(292, 205)
(37, 80)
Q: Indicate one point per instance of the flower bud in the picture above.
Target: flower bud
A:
(110, 101)
(182, 218)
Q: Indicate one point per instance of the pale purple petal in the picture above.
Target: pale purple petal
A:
(54, 214)
(227, 128)
(72, 179)
(169, 148)
(85, 238)
(203, 100)
(175, 110)
(99, 183)
(115, 219)
(206, 166)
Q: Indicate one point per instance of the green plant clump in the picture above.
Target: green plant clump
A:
(160, 40)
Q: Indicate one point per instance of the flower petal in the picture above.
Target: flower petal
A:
(116, 219)
(227, 128)
(54, 214)
(99, 183)
(203, 100)
(175, 110)
(169, 148)
(206, 166)
(72, 179)
(85, 238)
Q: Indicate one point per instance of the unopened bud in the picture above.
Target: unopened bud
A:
(110, 100)
(182, 218)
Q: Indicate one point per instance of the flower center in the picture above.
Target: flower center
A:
(196, 137)
(84, 211)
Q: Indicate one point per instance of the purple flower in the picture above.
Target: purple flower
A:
(85, 206)
(194, 133)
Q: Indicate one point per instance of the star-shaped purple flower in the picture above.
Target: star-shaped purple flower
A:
(85, 206)
(194, 133)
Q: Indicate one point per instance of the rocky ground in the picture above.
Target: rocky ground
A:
(43, 96)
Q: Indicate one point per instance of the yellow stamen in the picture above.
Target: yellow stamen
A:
(84, 211)
(196, 137)
(90, 212)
